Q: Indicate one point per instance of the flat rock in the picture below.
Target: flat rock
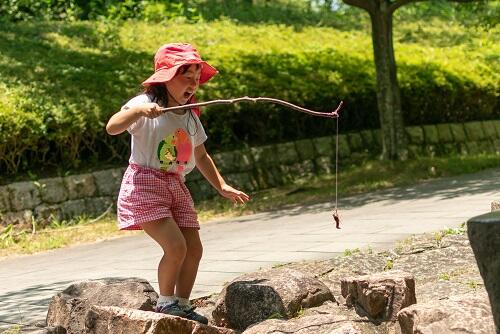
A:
(315, 324)
(457, 315)
(116, 320)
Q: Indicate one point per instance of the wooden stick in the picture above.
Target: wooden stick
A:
(333, 114)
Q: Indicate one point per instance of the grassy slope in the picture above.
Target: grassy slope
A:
(73, 76)
(67, 67)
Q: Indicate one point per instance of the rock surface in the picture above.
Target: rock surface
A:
(484, 236)
(381, 295)
(116, 320)
(283, 300)
(431, 258)
(457, 315)
(258, 296)
(315, 324)
(69, 308)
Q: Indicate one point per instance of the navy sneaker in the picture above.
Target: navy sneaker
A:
(171, 309)
(192, 315)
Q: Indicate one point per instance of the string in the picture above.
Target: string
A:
(335, 213)
(333, 114)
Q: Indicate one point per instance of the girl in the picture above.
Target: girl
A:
(166, 147)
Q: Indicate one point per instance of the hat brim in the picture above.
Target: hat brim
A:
(166, 74)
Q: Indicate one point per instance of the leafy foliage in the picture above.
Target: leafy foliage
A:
(62, 81)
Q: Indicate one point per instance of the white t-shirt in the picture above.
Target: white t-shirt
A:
(166, 142)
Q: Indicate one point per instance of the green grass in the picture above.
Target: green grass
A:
(15, 329)
(367, 176)
(60, 235)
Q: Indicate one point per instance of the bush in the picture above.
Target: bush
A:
(62, 81)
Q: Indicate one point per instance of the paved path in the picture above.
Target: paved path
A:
(245, 244)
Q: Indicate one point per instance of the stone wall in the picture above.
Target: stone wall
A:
(250, 169)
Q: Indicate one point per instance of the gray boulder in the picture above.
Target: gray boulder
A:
(258, 296)
(484, 235)
(69, 308)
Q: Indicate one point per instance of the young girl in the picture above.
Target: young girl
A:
(165, 147)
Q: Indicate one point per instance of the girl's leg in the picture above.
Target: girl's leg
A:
(168, 235)
(189, 269)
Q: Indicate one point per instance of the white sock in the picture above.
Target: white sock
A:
(184, 302)
(165, 300)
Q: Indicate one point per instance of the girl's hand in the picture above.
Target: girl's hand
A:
(150, 110)
(234, 195)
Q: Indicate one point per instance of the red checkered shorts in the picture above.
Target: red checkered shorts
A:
(148, 194)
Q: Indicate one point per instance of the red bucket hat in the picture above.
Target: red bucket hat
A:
(170, 57)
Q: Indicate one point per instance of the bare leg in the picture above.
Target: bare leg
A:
(168, 235)
(189, 269)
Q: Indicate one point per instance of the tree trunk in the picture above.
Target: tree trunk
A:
(394, 143)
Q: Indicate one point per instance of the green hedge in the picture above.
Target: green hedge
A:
(60, 83)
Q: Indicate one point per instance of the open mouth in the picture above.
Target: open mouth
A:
(187, 94)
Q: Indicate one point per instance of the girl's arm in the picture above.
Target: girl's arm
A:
(121, 121)
(207, 167)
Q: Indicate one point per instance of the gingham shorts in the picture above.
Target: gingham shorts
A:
(148, 194)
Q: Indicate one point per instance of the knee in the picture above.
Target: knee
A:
(195, 252)
(176, 250)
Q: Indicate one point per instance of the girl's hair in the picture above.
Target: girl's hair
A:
(158, 92)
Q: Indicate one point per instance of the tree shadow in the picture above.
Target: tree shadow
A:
(28, 306)
(487, 181)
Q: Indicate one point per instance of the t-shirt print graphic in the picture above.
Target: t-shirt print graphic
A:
(174, 152)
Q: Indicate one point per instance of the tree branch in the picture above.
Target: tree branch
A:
(364, 4)
(333, 114)
(399, 3)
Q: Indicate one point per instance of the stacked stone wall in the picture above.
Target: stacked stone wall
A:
(251, 169)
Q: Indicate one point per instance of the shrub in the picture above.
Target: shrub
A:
(62, 81)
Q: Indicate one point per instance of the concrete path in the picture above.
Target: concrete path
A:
(245, 244)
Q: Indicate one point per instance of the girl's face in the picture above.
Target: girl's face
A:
(183, 86)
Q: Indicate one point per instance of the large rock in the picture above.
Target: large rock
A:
(45, 214)
(316, 324)
(53, 190)
(116, 320)
(69, 307)
(80, 186)
(24, 195)
(381, 295)
(108, 181)
(4, 199)
(258, 296)
(20, 220)
(484, 236)
(457, 315)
